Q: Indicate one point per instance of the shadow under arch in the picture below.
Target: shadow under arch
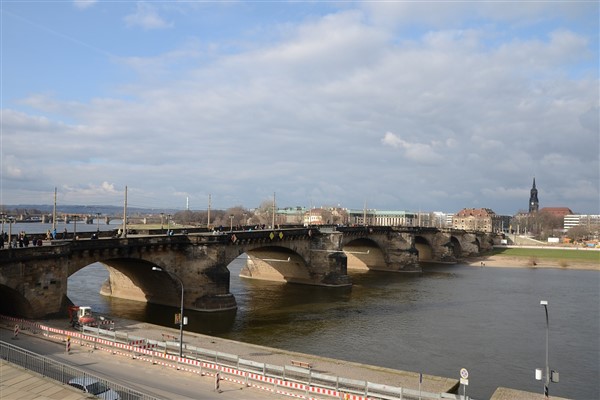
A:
(278, 264)
(424, 249)
(455, 246)
(14, 303)
(90, 286)
(363, 255)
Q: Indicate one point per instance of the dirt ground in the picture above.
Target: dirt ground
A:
(531, 262)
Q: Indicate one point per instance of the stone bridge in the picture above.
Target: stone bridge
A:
(33, 281)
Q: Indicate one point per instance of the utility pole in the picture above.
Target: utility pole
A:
(54, 212)
(208, 223)
(273, 210)
(124, 234)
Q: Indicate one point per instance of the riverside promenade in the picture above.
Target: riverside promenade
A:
(269, 355)
(260, 354)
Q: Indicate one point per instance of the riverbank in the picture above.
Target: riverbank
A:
(505, 261)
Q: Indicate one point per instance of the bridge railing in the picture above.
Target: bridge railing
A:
(60, 372)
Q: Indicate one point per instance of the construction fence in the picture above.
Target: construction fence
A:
(297, 380)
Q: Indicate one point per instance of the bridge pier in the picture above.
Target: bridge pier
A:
(328, 263)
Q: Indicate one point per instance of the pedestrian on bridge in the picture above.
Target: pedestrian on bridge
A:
(217, 382)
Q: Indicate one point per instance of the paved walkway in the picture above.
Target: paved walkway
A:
(269, 355)
(17, 383)
(512, 394)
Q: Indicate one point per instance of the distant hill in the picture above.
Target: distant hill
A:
(79, 209)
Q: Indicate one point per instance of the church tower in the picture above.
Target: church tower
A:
(534, 203)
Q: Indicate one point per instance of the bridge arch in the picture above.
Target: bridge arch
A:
(424, 248)
(275, 263)
(364, 254)
(455, 247)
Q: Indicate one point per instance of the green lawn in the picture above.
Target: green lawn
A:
(573, 255)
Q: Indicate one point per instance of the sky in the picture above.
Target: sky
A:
(396, 105)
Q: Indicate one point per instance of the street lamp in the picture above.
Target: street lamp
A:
(10, 222)
(181, 315)
(231, 223)
(98, 222)
(162, 227)
(75, 227)
(168, 224)
(548, 376)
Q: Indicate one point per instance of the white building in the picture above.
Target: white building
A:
(571, 220)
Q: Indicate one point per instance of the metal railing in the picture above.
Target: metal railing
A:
(61, 372)
(304, 376)
(203, 361)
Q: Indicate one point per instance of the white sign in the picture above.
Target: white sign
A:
(464, 373)
(464, 381)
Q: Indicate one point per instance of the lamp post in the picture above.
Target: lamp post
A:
(181, 315)
(548, 376)
(97, 222)
(10, 222)
(75, 227)
(547, 373)
(161, 223)
(231, 223)
(168, 224)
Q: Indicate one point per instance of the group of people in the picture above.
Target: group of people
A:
(19, 240)
(53, 235)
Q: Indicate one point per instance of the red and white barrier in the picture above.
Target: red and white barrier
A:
(144, 352)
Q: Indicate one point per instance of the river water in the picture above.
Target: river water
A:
(488, 320)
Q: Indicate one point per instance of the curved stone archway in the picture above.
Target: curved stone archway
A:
(279, 264)
(455, 247)
(364, 254)
(477, 243)
(424, 249)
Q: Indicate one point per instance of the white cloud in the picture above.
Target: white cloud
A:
(83, 4)
(418, 152)
(146, 16)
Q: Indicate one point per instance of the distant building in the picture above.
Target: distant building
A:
(325, 216)
(572, 220)
(290, 215)
(556, 211)
(382, 218)
(480, 219)
(534, 203)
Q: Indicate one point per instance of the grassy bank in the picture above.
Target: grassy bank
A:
(550, 254)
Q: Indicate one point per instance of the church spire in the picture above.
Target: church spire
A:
(534, 203)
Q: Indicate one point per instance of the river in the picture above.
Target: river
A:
(488, 320)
